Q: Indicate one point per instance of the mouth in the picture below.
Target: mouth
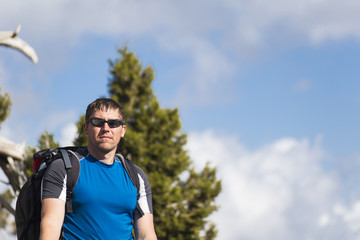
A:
(105, 137)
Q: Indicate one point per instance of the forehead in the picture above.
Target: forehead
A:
(107, 113)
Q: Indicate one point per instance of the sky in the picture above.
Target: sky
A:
(268, 93)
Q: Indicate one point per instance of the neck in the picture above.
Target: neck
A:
(105, 157)
(107, 161)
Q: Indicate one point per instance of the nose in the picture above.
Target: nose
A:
(106, 126)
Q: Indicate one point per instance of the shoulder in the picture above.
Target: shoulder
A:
(56, 156)
(57, 169)
(56, 165)
(137, 170)
(144, 184)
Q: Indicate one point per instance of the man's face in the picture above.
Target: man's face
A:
(104, 138)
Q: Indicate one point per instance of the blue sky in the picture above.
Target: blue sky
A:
(268, 92)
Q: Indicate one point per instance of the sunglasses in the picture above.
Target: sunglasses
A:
(113, 123)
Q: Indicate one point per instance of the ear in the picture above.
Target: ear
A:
(123, 130)
(85, 126)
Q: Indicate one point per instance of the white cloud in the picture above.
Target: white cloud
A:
(68, 134)
(280, 190)
(350, 215)
(316, 20)
(60, 124)
(213, 34)
(5, 235)
(309, 21)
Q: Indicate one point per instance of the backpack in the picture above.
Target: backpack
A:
(28, 204)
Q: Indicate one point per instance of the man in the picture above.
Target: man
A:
(104, 198)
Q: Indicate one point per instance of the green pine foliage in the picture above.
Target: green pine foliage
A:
(5, 106)
(81, 140)
(182, 197)
(5, 221)
(46, 140)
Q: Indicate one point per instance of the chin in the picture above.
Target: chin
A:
(106, 147)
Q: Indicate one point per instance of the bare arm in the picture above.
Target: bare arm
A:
(144, 228)
(52, 217)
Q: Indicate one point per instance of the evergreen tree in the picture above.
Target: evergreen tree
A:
(46, 140)
(5, 106)
(183, 198)
(81, 140)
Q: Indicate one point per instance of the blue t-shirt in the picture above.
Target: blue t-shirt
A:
(104, 199)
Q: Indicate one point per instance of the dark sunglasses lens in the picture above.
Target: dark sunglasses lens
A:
(97, 122)
(115, 123)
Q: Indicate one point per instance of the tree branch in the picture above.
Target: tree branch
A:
(8, 148)
(12, 157)
(6, 205)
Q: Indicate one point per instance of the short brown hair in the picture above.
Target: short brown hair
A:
(103, 104)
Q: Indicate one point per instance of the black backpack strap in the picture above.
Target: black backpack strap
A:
(133, 174)
(69, 171)
(72, 166)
